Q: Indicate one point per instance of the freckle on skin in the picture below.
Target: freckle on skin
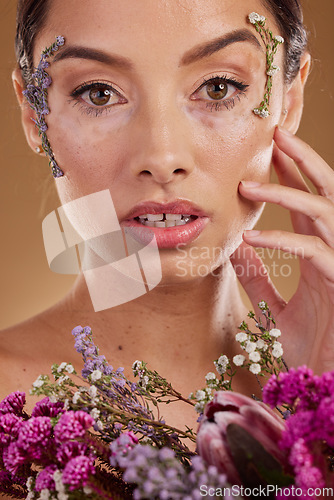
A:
(120, 348)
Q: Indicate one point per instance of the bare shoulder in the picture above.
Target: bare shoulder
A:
(30, 348)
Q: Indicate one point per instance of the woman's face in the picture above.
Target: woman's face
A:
(153, 100)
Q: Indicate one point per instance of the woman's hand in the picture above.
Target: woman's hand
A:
(307, 320)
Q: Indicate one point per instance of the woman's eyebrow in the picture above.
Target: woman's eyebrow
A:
(79, 52)
(208, 48)
(199, 52)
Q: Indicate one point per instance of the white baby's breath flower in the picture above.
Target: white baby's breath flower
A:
(199, 407)
(260, 344)
(262, 113)
(239, 360)
(76, 397)
(221, 364)
(61, 367)
(254, 18)
(60, 487)
(241, 337)
(200, 395)
(69, 368)
(255, 368)
(144, 381)
(262, 304)
(254, 357)
(88, 490)
(275, 332)
(137, 365)
(279, 39)
(211, 378)
(92, 391)
(277, 351)
(99, 425)
(95, 413)
(38, 382)
(96, 375)
(29, 483)
(67, 404)
(62, 379)
(250, 346)
(45, 494)
(273, 70)
(53, 398)
(62, 495)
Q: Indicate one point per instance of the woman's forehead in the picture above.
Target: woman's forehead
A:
(144, 22)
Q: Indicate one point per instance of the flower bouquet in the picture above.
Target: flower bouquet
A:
(98, 435)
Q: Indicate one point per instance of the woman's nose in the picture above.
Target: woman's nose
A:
(161, 145)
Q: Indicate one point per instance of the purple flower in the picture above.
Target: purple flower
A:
(13, 403)
(71, 449)
(121, 446)
(72, 425)
(35, 437)
(14, 457)
(296, 384)
(9, 428)
(254, 417)
(77, 472)
(45, 480)
(45, 408)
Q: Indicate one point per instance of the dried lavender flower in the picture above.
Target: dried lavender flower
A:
(37, 97)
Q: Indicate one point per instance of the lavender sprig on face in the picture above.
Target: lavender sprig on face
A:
(271, 43)
(37, 97)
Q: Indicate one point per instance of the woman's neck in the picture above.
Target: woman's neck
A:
(192, 322)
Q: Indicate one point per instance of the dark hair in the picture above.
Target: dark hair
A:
(289, 19)
(31, 16)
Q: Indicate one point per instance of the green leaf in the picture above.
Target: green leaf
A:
(255, 465)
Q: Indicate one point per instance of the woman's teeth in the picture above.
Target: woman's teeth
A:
(165, 220)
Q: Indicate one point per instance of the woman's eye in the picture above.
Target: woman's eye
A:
(217, 90)
(98, 95)
(220, 89)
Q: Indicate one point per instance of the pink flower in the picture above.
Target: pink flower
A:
(13, 403)
(77, 472)
(254, 417)
(72, 425)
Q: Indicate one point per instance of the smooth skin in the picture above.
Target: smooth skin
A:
(165, 142)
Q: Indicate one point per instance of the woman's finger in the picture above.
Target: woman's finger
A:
(287, 172)
(307, 160)
(289, 175)
(311, 248)
(254, 278)
(320, 210)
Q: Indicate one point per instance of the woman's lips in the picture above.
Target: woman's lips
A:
(166, 237)
(143, 221)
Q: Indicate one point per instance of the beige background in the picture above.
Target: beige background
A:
(26, 193)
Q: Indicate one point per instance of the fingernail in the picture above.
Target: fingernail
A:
(252, 233)
(250, 184)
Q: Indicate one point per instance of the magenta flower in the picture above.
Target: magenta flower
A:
(72, 425)
(77, 472)
(253, 417)
(45, 479)
(35, 437)
(45, 408)
(13, 403)
(9, 428)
